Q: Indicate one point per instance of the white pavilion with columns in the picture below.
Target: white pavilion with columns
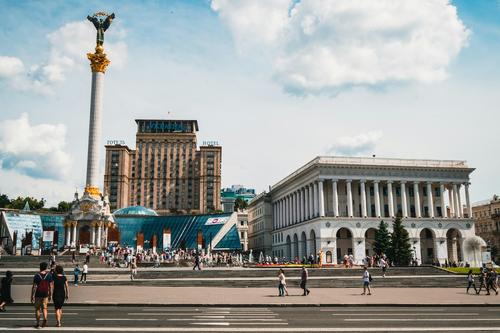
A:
(335, 204)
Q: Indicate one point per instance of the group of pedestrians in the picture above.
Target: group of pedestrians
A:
(282, 288)
(488, 279)
(49, 285)
(304, 277)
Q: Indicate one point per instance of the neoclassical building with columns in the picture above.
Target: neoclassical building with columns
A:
(335, 204)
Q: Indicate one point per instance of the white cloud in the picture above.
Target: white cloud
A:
(322, 46)
(68, 48)
(34, 150)
(10, 66)
(361, 144)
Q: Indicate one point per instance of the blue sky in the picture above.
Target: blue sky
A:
(260, 80)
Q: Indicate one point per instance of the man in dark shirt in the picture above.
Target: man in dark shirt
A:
(40, 293)
(303, 281)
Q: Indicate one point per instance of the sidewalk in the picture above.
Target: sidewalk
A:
(200, 296)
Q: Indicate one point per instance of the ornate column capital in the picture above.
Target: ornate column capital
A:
(98, 60)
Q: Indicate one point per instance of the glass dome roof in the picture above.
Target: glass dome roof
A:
(135, 210)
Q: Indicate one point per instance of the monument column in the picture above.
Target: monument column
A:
(98, 64)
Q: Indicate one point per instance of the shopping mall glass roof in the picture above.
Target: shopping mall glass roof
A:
(135, 210)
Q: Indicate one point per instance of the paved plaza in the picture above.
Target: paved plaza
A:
(262, 319)
(146, 295)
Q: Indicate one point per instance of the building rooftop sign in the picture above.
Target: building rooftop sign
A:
(166, 126)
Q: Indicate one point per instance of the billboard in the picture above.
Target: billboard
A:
(216, 220)
(48, 236)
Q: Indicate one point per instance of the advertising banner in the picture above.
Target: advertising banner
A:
(48, 236)
(216, 220)
(167, 240)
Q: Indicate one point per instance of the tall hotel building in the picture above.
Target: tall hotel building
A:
(166, 172)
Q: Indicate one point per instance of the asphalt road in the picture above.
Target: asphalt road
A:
(260, 319)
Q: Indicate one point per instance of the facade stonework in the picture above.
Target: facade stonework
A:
(487, 220)
(166, 172)
(333, 205)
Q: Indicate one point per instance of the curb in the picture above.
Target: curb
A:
(273, 305)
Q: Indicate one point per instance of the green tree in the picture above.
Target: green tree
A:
(240, 204)
(63, 206)
(19, 203)
(382, 242)
(4, 201)
(400, 251)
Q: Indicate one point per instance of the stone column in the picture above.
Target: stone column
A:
(292, 209)
(455, 201)
(295, 207)
(278, 221)
(451, 200)
(299, 197)
(430, 201)
(321, 199)
(467, 200)
(416, 190)
(390, 198)
(368, 200)
(73, 238)
(68, 234)
(443, 203)
(335, 198)
(363, 198)
(106, 228)
(404, 206)
(288, 210)
(92, 235)
(311, 201)
(306, 203)
(349, 197)
(99, 235)
(315, 199)
(377, 198)
(459, 198)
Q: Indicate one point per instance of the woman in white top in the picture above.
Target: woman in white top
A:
(366, 281)
(282, 283)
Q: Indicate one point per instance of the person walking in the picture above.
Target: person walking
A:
(76, 273)
(383, 265)
(73, 257)
(197, 262)
(491, 281)
(470, 282)
(5, 291)
(282, 283)
(41, 294)
(367, 279)
(84, 273)
(87, 257)
(133, 269)
(60, 293)
(303, 281)
(482, 282)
